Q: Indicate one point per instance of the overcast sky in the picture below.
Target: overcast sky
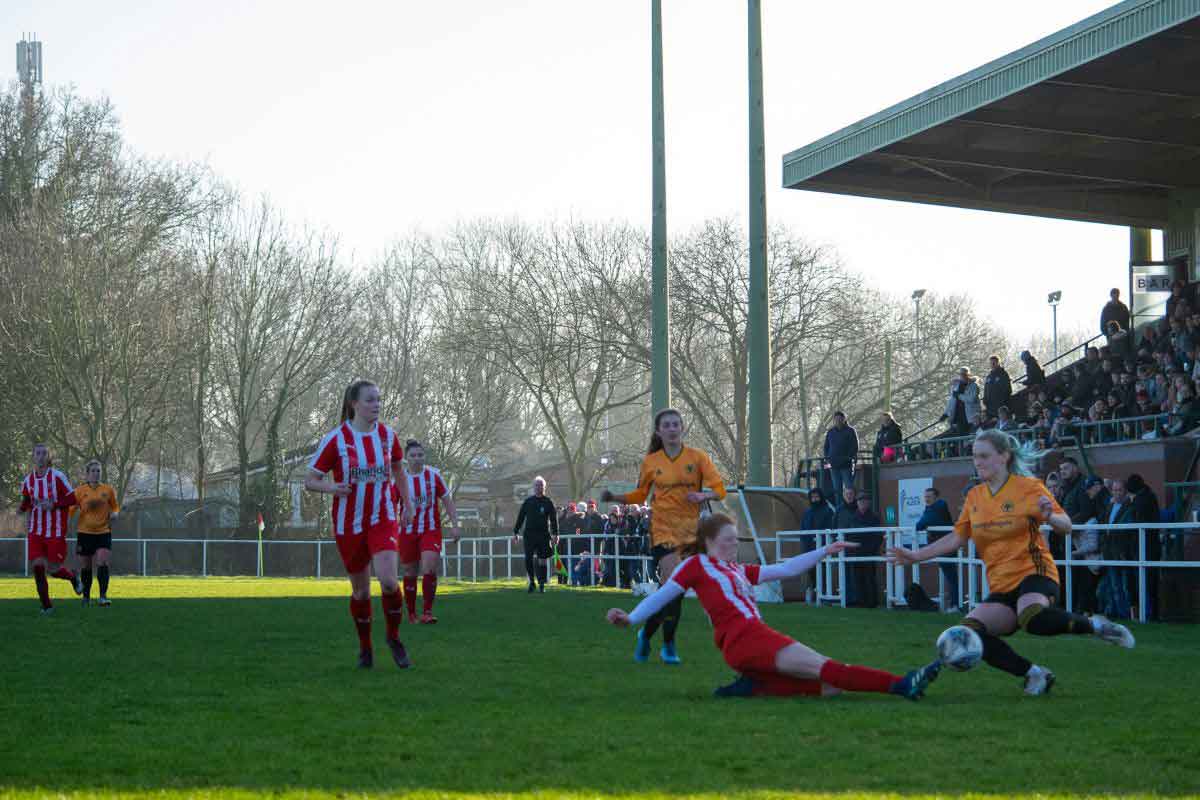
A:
(401, 115)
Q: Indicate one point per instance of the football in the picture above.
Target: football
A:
(959, 648)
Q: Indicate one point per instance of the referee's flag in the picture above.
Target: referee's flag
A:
(559, 567)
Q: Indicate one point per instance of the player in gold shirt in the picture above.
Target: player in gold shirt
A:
(1004, 515)
(96, 506)
(677, 475)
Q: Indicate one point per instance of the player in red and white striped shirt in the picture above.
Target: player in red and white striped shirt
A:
(769, 662)
(421, 540)
(364, 456)
(46, 495)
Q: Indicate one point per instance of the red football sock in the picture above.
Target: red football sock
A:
(410, 593)
(360, 612)
(43, 588)
(428, 591)
(393, 613)
(857, 679)
(777, 685)
(65, 574)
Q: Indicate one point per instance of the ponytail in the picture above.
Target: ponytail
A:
(656, 442)
(351, 395)
(1025, 457)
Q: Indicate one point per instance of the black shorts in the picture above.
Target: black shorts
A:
(88, 543)
(538, 546)
(1031, 584)
(659, 551)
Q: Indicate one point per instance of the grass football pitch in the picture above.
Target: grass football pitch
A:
(247, 688)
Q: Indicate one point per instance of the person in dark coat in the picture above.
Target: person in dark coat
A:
(997, 387)
(866, 576)
(937, 515)
(1114, 311)
(889, 435)
(819, 516)
(841, 451)
(1034, 374)
(1146, 510)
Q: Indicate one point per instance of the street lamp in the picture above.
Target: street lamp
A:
(1054, 298)
(916, 297)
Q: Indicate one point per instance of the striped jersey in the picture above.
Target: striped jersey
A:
(50, 485)
(428, 489)
(365, 461)
(724, 589)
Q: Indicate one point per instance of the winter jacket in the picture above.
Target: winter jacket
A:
(968, 395)
(935, 516)
(841, 447)
(1114, 310)
(997, 390)
(820, 517)
(1034, 374)
(887, 436)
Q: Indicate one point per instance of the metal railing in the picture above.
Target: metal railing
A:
(1105, 431)
(499, 557)
(831, 572)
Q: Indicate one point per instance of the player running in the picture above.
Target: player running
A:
(96, 505)
(421, 539)
(1004, 514)
(540, 521)
(769, 662)
(677, 474)
(364, 457)
(45, 498)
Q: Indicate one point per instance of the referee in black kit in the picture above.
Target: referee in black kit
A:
(540, 519)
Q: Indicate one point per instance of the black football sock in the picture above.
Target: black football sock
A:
(85, 575)
(997, 653)
(672, 613)
(102, 575)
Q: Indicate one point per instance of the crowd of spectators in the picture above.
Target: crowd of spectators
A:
(592, 539)
(1137, 385)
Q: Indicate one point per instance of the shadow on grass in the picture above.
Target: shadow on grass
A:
(514, 693)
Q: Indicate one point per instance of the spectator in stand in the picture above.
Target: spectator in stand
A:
(1186, 413)
(1086, 579)
(1054, 486)
(1104, 378)
(614, 535)
(1146, 510)
(1075, 504)
(997, 387)
(887, 440)
(1034, 374)
(819, 516)
(841, 452)
(1004, 420)
(1114, 311)
(1083, 385)
(1064, 427)
(846, 519)
(1112, 597)
(937, 515)
(1177, 303)
(1120, 342)
(1181, 339)
(962, 406)
(866, 576)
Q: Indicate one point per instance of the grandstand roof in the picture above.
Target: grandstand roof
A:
(1098, 122)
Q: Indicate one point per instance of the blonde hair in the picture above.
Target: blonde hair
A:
(1025, 457)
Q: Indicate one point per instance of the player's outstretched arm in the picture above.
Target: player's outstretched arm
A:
(942, 547)
(648, 607)
(798, 565)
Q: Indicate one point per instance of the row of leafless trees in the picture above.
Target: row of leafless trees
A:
(153, 316)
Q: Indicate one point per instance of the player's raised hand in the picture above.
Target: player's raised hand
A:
(837, 547)
(900, 555)
(616, 616)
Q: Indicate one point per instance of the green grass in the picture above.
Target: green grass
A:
(213, 687)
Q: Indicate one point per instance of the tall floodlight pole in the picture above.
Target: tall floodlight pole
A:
(760, 470)
(660, 339)
(1054, 298)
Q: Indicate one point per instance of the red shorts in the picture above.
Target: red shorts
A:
(51, 548)
(412, 545)
(357, 549)
(751, 650)
(753, 646)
